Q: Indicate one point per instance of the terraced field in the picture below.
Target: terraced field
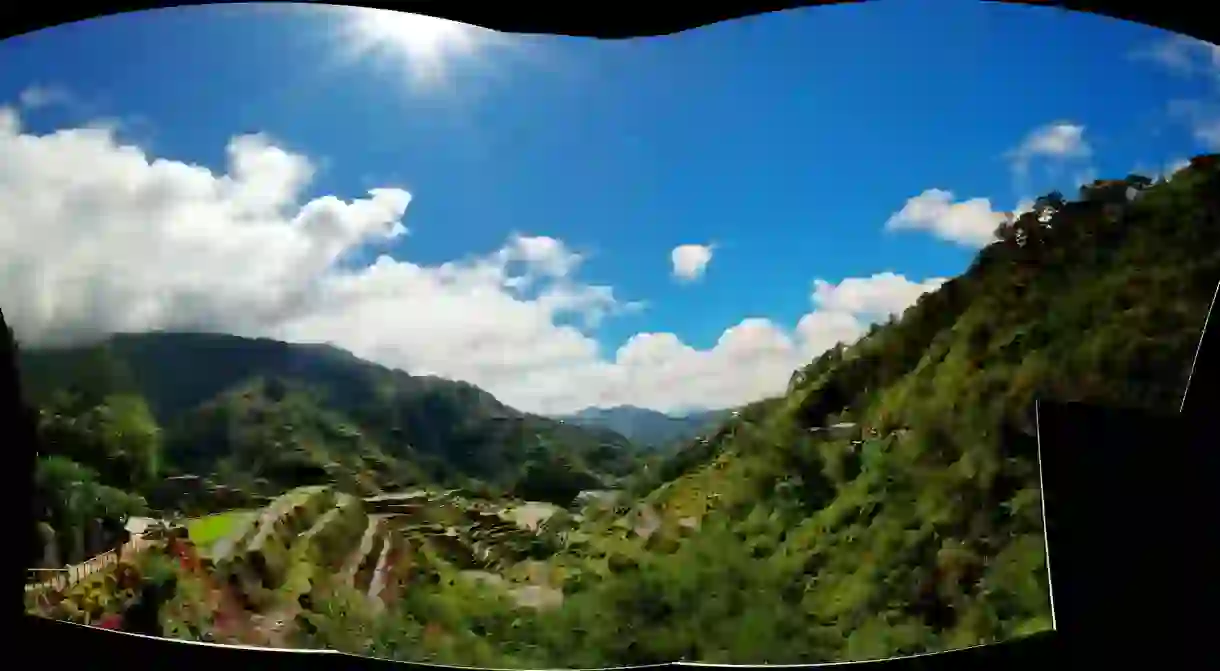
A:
(209, 531)
(278, 564)
(280, 575)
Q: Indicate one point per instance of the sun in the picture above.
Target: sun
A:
(426, 47)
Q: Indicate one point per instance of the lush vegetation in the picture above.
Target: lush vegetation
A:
(95, 456)
(260, 416)
(915, 528)
(206, 530)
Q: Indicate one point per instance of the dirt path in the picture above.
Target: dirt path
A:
(348, 574)
(380, 573)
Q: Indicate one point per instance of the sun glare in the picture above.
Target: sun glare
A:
(426, 46)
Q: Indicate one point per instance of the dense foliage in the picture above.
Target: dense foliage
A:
(264, 416)
(95, 457)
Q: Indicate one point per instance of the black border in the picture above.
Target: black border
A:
(1144, 600)
(612, 20)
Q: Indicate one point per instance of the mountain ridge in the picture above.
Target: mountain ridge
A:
(214, 388)
(646, 427)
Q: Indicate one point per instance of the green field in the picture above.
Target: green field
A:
(206, 530)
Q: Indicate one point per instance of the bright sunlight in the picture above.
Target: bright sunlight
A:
(425, 46)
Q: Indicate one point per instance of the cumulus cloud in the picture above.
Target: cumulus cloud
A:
(97, 237)
(881, 295)
(400, 314)
(690, 261)
(971, 223)
(756, 357)
(1057, 142)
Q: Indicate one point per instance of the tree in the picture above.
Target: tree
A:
(554, 481)
(1052, 201)
(132, 439)
(118, 439)
(71, 497)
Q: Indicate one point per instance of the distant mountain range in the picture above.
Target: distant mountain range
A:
(648, 428)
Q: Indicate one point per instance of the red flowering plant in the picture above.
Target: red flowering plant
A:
(111, 621)
(186, 554)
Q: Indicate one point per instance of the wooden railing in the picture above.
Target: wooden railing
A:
(61, 579)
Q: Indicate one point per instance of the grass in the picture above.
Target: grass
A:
(206, 530)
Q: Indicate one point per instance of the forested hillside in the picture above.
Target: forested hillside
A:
(247, 409)
(923, 530)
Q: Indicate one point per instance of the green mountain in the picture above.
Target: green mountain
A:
(649, 428)
(251, 411)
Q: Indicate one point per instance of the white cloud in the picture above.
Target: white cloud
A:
(1057, 142)
(97, 237)
(878, 296)
(1184, 55)
(547, 255)
(38, 96)
(1176, 166)
(690, 261)
(970, 223)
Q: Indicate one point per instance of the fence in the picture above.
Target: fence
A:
(64, 578)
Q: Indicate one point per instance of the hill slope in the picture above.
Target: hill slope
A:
(297, 414)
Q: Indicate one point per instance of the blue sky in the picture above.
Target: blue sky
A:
(785, 142)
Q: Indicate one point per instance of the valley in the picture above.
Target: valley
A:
(648, 428)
